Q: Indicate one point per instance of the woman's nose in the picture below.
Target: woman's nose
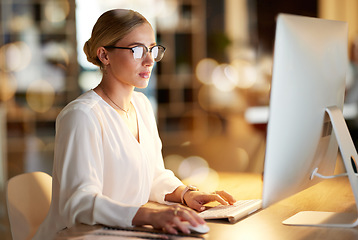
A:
(148, 59)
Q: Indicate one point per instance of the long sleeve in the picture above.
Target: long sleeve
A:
(78, 178)
(79, 167)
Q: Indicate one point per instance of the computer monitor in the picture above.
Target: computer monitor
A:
(306, 102)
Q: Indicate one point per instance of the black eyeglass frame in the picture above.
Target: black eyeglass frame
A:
(146, 49)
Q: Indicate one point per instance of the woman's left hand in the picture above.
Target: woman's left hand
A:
(196, 199)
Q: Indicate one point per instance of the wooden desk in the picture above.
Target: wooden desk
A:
(330, 195)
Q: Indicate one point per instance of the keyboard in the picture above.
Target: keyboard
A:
(234, 212)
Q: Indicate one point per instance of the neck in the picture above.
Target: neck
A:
(120, 95)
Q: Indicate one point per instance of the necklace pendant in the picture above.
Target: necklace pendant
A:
(126, 111)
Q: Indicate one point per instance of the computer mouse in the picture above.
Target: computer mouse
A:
(202, 228)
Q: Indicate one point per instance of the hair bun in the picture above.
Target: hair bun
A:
(90, 54)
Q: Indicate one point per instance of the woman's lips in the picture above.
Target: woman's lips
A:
(144, 74)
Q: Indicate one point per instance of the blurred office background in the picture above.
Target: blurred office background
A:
(216, 70)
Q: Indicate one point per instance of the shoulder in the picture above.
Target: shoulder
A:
(84, 106)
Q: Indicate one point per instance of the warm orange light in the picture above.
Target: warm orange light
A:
(225, 77)
(40, 96)
(8, 86)
(204, 70)
(247, 73)
(15, 56)
(57, 11)
(172, 162)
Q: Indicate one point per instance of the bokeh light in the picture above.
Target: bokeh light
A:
(15, 56)
(193, 166)
(57, 52)
(20, 23)
(185, 144)
(204, 70)
(167, 14)
(207, 181)
(173, 162)
(8, 86)
(57, 11)
(210, 183)
(212, 98)
(89, 80)
(225, 77)
(40, 96)
(193, 170)
(247, 73)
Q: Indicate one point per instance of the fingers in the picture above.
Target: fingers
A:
(225, 195)
(169, 228)
(199, 199)
(217, 197)
(205, 198)
(195, 200)
(180, 225)
(178, 214)
(191, 216)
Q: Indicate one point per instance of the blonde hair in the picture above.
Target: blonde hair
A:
(111, 27)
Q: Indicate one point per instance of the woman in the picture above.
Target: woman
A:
(108, 162)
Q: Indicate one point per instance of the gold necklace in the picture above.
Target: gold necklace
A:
(126, 111)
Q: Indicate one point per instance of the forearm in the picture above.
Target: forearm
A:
(142, 216)
(175, 196)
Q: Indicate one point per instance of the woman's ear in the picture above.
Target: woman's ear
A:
(102, 55)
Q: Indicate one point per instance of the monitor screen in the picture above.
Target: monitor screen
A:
(309, 73)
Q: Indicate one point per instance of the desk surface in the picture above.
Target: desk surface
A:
(330, 195)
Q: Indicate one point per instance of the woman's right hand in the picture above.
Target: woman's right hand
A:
(168, 218)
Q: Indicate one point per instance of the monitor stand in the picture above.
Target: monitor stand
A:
(349, 154)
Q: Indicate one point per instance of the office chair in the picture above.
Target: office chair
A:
(28, 200)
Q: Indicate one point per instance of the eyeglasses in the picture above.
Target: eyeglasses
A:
(140, 51)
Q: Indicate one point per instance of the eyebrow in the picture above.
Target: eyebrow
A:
(139, 43)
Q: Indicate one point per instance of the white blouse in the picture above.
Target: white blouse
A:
(101, 173)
